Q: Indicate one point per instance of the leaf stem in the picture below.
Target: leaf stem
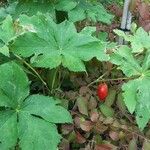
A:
(54, 79)
(100, 78)
(34, 71)
(107, 80)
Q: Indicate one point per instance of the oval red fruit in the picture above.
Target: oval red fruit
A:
(102, 91)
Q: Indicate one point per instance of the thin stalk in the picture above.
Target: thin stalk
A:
(100, 78)
(34, 71)
(54, 79)
(117, 79)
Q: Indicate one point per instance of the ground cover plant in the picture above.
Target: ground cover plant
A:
(65, 83)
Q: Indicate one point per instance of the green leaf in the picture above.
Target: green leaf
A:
(32, 7)
(56, 44)
(8, 130)
(14, 85)
(103, 36)
(130, 97)
(82, 105)
(4, 50)
(146, 61)
(31, 119)
(7, 31)
(120, 103)
(136, 91)
(122, 34)
(132, 144)
(60, 115)
(146, 145)
(92, 11)
(65, 5)
(136, 96)
(110, 99)
(107, 111)
(88, 30)
(125, 60)
(9, 10)
(35, 133)
(139, 39)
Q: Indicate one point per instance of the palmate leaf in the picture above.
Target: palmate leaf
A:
(9, 10)
(125, 60)
(55, 44)
(8, 129)
(139, 40)
(31, 7)
(137, 98)
(92, 11)
(136, 91)
(77, 9)
(7, 32)
(65, 5)
(31, 119)
(32, 130)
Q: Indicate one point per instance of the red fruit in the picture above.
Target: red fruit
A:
(102, 91)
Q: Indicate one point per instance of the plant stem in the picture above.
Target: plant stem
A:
(54, 79)
(123, 78)
(99, 78)
(34, 71)
(107, 80)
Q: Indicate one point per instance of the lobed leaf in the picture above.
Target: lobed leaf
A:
(31, 119)
(57, 44)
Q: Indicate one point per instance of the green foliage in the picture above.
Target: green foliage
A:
(139, 39)
(109, 2)
(56, 44)
(31, 7)
(29, 118)
(7, 33)
(136, 91)
(125, 60)
(92, 11)
(8, 10)
(78, 10)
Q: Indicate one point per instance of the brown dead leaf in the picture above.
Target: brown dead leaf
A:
(103, 147)
(108, 121)
(144, 11)
(80, 139)
(71, 95)
(67, 128)
(77, 121)
(114, 135)
(94, 116)
(86, 125)
(92, 103)
(83, 90)
(100, 128)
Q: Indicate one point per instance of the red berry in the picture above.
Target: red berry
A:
(102, 91)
